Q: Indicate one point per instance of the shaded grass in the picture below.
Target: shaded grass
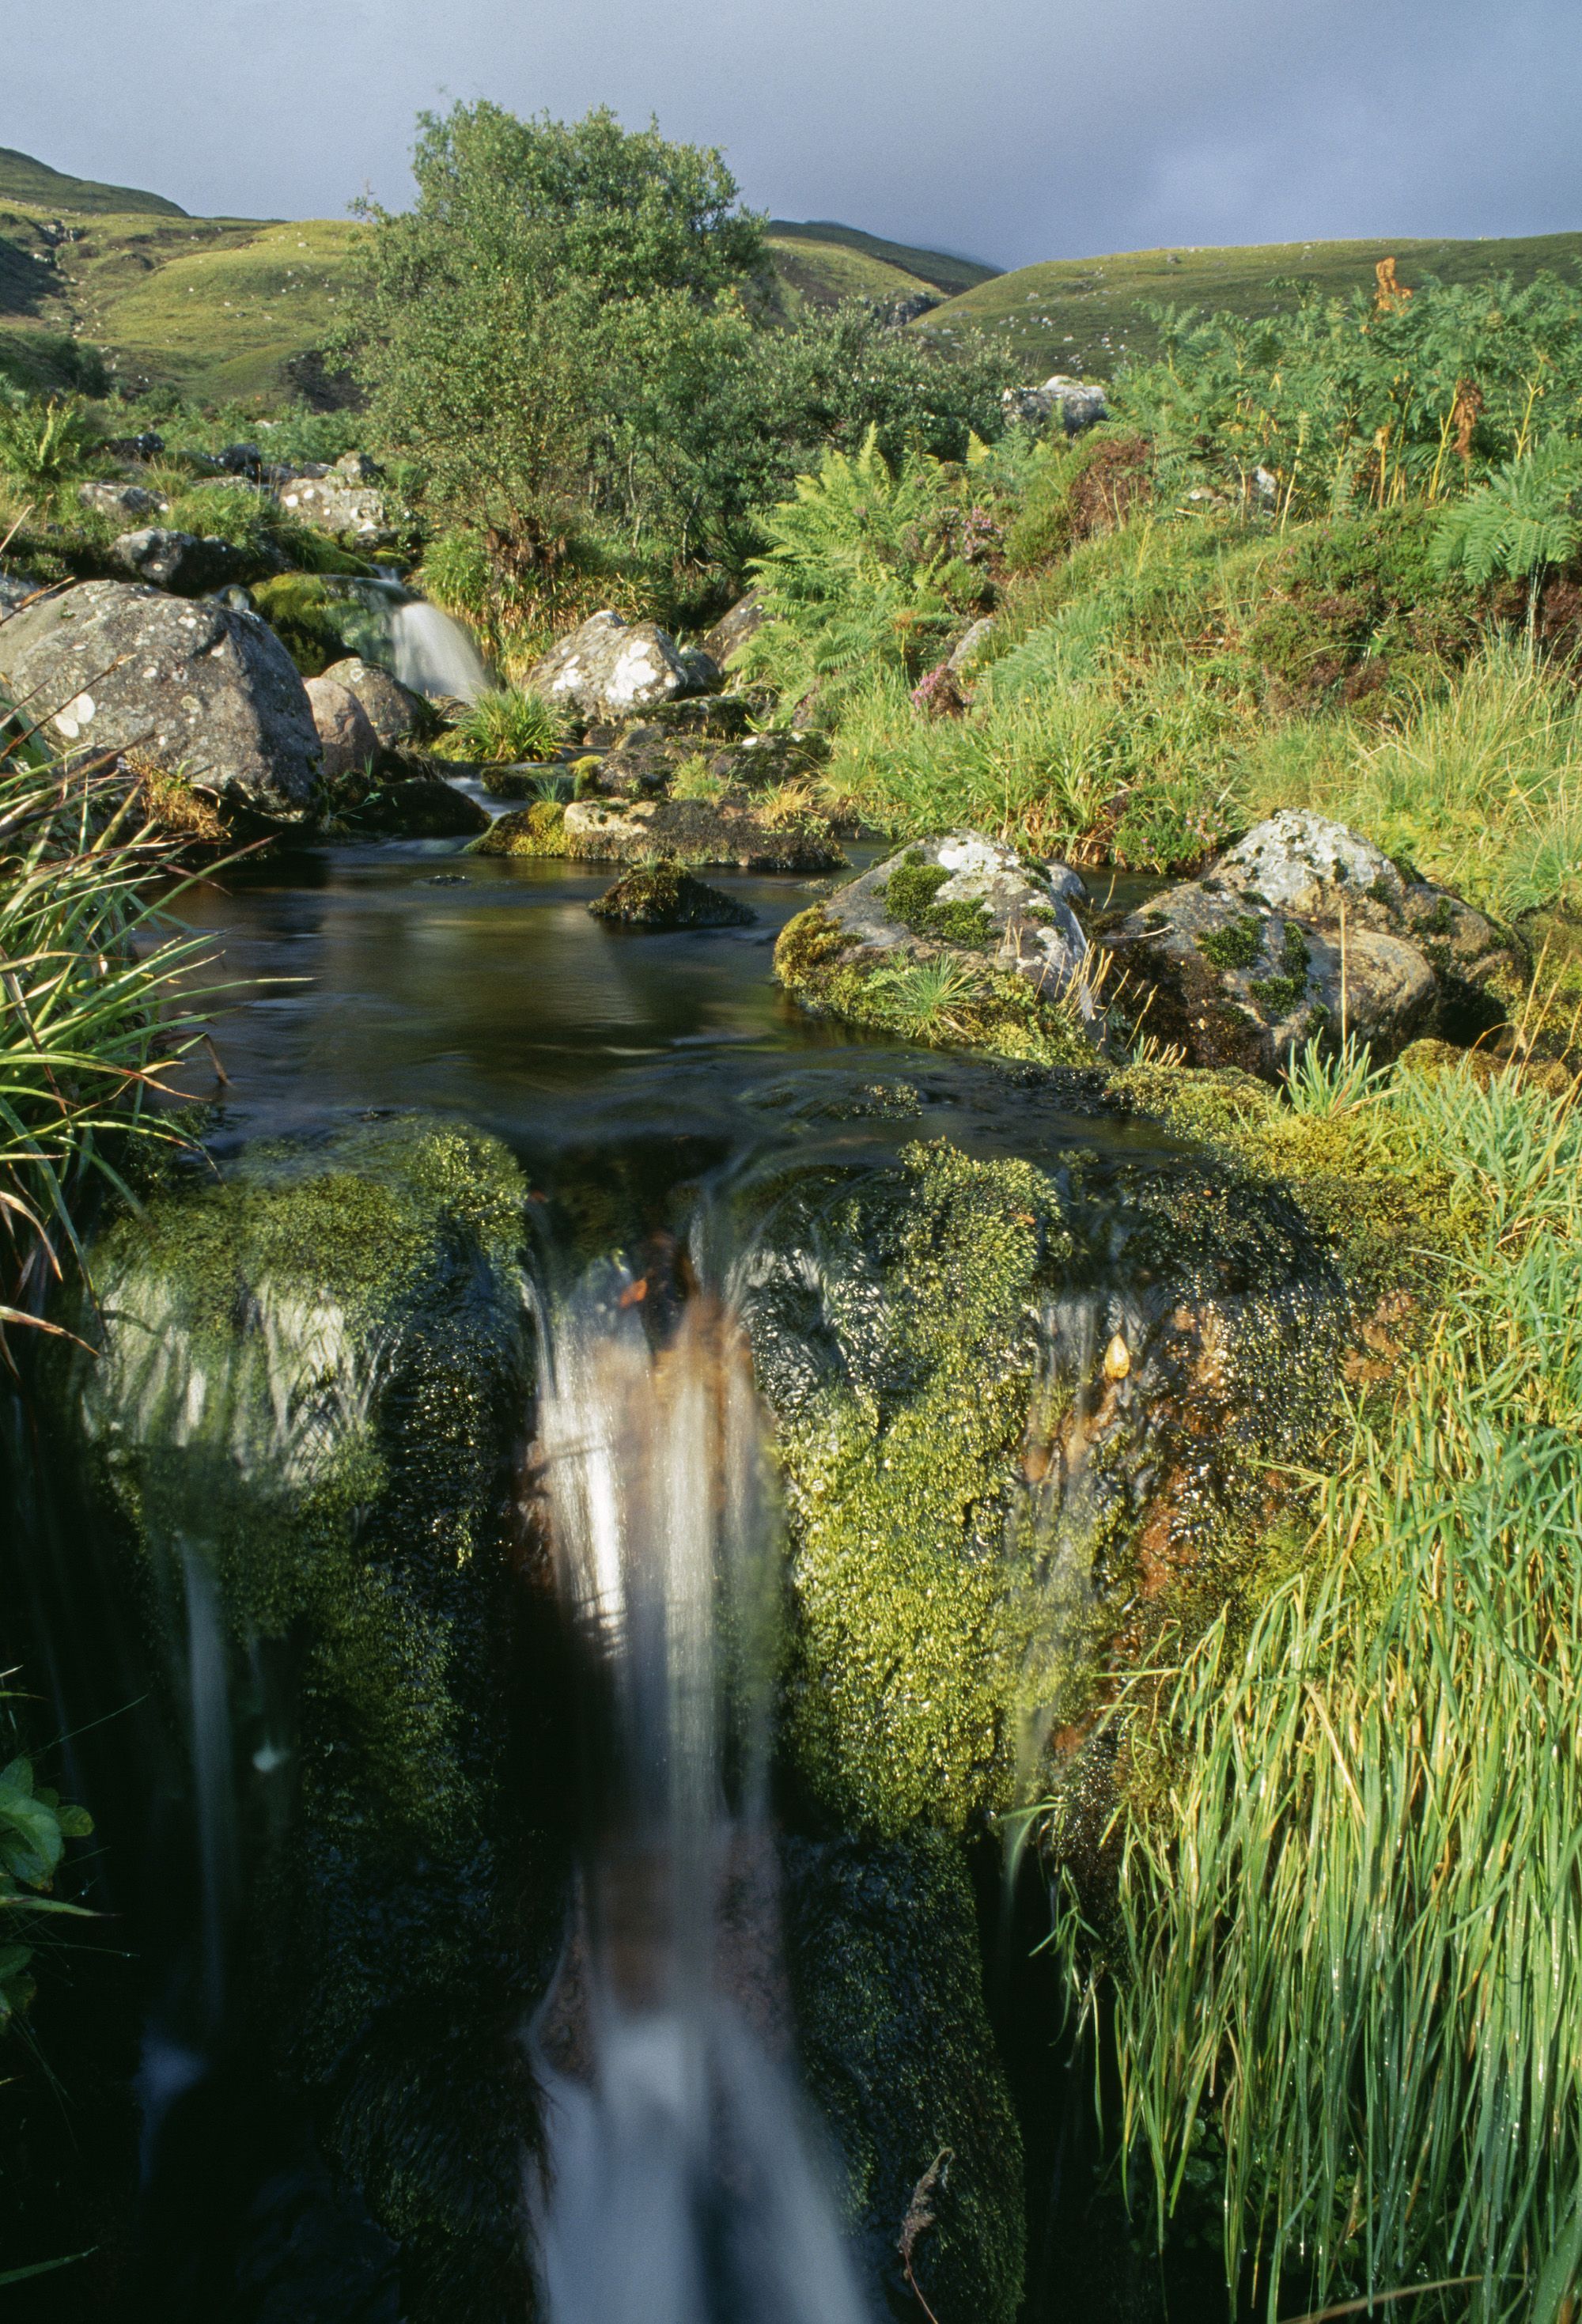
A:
(1344, 1945)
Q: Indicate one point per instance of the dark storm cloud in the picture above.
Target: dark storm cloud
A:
(1012, 132)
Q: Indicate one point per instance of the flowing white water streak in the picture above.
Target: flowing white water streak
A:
(681, 2186)
(433, 654)
(208, 1698)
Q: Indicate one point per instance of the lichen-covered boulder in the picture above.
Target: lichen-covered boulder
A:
(346, 731)
(664, 896)
(648, 758)
(188, 564)
(334, 503)
(306, 1407)
(107, 666)
(1077, 403)
(993, 940)
(610, 667)
(1302, 929)
(697, 832)
(395, 714)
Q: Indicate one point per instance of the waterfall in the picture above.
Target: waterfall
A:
(433, 654)
(682, 2185)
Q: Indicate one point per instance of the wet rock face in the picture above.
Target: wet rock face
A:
(112, 667)
(663, 896)
(1302, 928)
(882, 1944)
(397, 799)
(696, 832)
(610, 667)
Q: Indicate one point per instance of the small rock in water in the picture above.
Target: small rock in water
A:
(448, 880)
(664, 896)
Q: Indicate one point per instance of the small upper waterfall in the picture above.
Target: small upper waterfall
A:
(682, 2186)
(433, 653)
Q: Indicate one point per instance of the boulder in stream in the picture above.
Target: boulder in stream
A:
(695, 831)
(664, 896)
(346, 734)
(392, 710)
(108, 666)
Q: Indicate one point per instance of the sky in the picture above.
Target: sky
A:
(1008, 132)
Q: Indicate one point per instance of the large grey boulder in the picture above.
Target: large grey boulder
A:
(974, 895)
(395, 714)
(124, 501)
(612, 668)
(347, 734)
(188, 564)
(1302, 929)
(107, 666)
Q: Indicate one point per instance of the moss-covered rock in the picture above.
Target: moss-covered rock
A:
(311, 1382)
(697, 832)
(882, 1943)
(664, 896)
(536, 830)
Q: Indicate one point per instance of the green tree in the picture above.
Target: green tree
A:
(486, 314)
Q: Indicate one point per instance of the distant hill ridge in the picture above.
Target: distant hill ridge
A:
(24, 180)
(937, 268)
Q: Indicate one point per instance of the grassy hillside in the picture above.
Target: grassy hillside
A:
(822, 273)
(1082, 315)
(24, 180)
(936, 270)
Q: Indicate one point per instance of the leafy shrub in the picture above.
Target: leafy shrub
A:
(34, 1828)
(47, 446)
(857, 582)
(1075, 495)
(1527, 517)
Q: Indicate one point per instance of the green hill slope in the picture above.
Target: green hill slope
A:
(932, 270)
(1082, 315)
(24, 180)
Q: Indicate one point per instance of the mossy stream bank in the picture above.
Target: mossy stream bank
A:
(1023, 1403)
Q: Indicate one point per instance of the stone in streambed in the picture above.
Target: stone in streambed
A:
(347, 734)
(610, 667)
(696, 832)
(394, 712)
(664, 896)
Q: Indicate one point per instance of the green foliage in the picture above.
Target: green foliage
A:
(98, 1005)
(858, 582)
(1527, 517)
(1348, 1917)
(47, 446)
(1236, 946)
(1323, 1081)
(34, 1828)
(909, 895)
(253, 523)
(505, 726)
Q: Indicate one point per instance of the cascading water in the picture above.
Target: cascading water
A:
(433, 654)
(682, 2186)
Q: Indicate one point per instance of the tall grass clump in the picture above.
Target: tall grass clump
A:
(506, 724)
(1344, 1943)
(95, 1008)
(48, 444)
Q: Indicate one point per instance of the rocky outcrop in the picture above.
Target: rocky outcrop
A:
(697, 832)
(110, 667)
(663, 896)
(734, 629)
(649, 757)
(344, 499)
(1079, 403)
(123, 500)
(612, 668)
(188, 564)
(345, 732)
(395, 714)
(1302, 930)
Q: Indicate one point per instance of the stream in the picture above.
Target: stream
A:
(646, 1085)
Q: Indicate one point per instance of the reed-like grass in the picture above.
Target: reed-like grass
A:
(1345, 1949)
(96, 1006)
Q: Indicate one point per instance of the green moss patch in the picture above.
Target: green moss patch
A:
(536, 830)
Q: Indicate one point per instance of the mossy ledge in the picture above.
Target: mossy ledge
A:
(312, 1376)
